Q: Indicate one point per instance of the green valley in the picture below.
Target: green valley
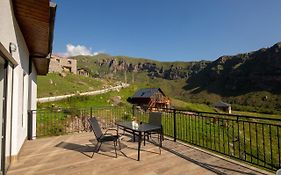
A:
(249, 82)
(54, 84)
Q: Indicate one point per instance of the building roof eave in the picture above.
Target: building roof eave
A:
(36, 20)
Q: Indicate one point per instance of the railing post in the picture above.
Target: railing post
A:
(30, 125)
(175, 125)
(91, 112)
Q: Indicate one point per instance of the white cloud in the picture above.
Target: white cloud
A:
(96, 53)
(72, 50)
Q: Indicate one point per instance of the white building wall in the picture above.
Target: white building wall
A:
(10, 32)
(9, 110)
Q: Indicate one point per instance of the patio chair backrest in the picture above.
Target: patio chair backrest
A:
(155, 118)
(95, 127)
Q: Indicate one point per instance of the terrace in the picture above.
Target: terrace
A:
(195, 143)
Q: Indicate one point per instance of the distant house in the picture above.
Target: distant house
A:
(223, 106)
(83, 72)
(150, 98)
(62, 64)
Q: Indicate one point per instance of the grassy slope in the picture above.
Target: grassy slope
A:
(66, 85)
(255, 114)
(90, 101)
(106, 100)
(251, 101)
(179, 104)
(171, 87)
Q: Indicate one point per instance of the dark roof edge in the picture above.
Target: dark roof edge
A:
(53, 9)
(162, 91)
(146, 89)
(222, 104)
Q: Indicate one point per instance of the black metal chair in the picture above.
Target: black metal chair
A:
(155, 118)
(103, 137)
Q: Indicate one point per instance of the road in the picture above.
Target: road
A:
(97, 92)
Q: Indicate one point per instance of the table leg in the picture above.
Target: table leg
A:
(134, 138)
(139, 146)
(161, 138)
(143, 139)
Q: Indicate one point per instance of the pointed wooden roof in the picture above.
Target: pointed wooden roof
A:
(147, 92)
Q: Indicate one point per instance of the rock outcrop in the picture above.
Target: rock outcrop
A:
(153, 70)
(230, 75)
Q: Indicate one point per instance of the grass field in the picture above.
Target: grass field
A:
(53, 84)
(255, 114)
(179, 104)
(92, 101)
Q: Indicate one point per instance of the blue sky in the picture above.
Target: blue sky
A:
(166, 30)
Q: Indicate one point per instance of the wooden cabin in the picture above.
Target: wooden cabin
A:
(150, 98)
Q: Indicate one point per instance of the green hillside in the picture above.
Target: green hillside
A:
(90, 101)
(249, 81)
(53, 84)
(108, 100)
(148, 73)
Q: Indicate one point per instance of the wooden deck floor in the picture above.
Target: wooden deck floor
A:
(70, 155)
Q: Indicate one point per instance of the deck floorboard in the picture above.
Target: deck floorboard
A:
(70, 154)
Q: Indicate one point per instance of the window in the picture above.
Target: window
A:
(58, 60)
(2, 106)
(6, 75)
(2, 87)
(69, 62)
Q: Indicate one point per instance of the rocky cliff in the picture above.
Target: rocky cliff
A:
(166, 70)
(249, 79)
(228, 75)
(231, 75)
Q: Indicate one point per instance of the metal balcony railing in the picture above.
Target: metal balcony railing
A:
(251, 139)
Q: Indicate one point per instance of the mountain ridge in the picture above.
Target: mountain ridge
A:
(254, 71)
(246, 79)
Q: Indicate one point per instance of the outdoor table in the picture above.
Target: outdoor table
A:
(142, 128)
